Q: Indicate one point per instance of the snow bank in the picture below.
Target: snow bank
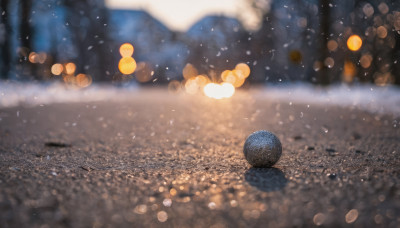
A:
(371, 98)
(383, 100)
(14, 94)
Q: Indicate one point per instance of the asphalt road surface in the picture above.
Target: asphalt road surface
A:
(155, 159)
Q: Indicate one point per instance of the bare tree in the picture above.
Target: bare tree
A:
(88, 23)
(5, 40)
(323, 76)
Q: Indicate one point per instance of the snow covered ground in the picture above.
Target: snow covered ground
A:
(382, 100)
(367, 97)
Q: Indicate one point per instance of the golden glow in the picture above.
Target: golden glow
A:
(126, 50)
(144, 72)
(70, 68)
(202, 80)
(33, 57)
(234, 77)
(191, 86)
(244, 68)
(83, 80)
(195, 84)
(366, 60)
(354, 43)
(127, 65)
(349, 71)
(57, 69)
(189, 71)
(216, 91)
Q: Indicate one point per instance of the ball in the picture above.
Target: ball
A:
(262, 149)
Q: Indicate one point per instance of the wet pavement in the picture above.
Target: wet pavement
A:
(154, 159)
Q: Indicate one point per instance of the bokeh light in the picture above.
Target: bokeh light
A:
(329, 62)
(368, 10)
(383, 8)
(33, 57)
(354, 43)
(332, 45)
(349, 71)
(244, 68)
(366, 60)
(189, 71)
(69, 68)
(127, 65)
(57, 69)
(317, 65)
(126, 50)
(381, 31)
(144, 72)
(69, 79)
(83, 80)
(42, 57)
(191, 86)
(216, 91)
(195, 84)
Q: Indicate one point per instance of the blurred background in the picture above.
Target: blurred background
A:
(170, 42)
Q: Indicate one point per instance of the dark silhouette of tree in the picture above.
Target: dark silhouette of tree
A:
(26, 39)
(323, 76)
(88, 23)
(5, 42)
(25, 27)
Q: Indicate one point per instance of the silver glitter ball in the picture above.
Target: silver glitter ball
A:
(262, 149)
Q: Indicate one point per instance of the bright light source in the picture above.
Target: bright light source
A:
(70, 68)
(217, 91)
(354, 43)
(244, 68)
(127, 65)
(126, 50)
(57, 69)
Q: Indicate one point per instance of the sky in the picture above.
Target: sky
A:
(179, 15)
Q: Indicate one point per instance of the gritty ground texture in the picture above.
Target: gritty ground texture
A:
(159, 160)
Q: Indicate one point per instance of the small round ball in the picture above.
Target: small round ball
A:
(262, 149)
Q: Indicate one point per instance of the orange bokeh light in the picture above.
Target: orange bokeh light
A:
(354, 43)
(70, 68)
(244, 68)
(234, 77)
(33, 57)
(83, 80)
(126, 50)
(189, 71)
(194, 84)
(127, 65)
(57, 69)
